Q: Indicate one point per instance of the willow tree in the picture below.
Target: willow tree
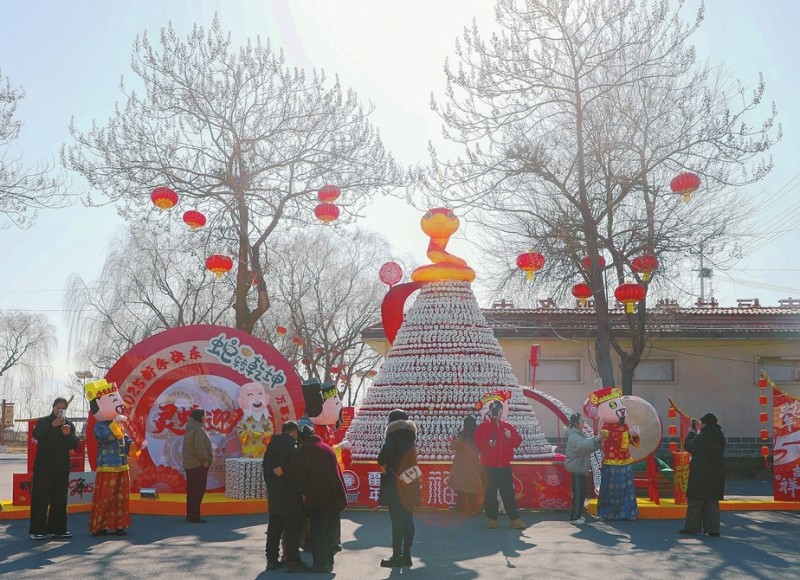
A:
(24, 189)
(241, 137)
(573, 119)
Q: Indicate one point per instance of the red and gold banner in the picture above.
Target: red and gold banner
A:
(786, 447)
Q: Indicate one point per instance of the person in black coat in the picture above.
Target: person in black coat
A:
(706, 477)
(55, 437)
(285, 500)
(398, 454)
(317, 473)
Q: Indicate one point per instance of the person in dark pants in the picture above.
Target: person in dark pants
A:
(285, 501)
(55, 436)
(317, 473)
(706, 476)
(579, 448)
(197, 458)
(398, 454)
(496, 439)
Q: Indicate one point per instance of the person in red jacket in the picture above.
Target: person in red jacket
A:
(496, 440)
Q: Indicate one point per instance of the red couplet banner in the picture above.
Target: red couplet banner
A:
(786, 449)
(164, 377)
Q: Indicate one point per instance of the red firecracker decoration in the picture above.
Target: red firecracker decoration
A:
(164, 197)
(629, 294)
(329, 193)
(530, 263)
(645, 265)
(684, 184)
(219, 264)
(587, 262)
(281, 330)
(326, 212)
(582, 292)
(194, 219)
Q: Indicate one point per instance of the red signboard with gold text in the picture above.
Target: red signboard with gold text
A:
(786, 449)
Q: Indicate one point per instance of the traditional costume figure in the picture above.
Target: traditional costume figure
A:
(110, 503)
(254, 429)
(617, 498)
(323, 407)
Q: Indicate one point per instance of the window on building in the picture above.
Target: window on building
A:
(557, 371)
(655, 371)
(780, 370)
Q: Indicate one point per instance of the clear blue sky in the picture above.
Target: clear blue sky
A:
(69, 56)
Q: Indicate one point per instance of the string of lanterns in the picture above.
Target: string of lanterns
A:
(764, 416)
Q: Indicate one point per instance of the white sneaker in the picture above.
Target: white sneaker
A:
(39, 536)
(578, 522)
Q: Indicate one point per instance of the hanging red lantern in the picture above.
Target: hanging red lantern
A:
(673, 447)
(326, 212)
(334, 369)
(629, 294)
(582, 292)
(329, 193)
(765, 452)
(281, 330)
(644, 265)
(587, 262)
(762, 383)
(219, 264)
(763, 417)
(372, 373)
(297, 340)
(194, 219)
(762, 400)
(304, 362)
(164, 197)
(672, 413)
(530, 263)
(684, 184)
(764, 434)
(673, 430)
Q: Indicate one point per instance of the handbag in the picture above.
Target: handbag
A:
(410, 475)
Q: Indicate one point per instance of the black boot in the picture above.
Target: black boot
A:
(405, 557)
(394, 561)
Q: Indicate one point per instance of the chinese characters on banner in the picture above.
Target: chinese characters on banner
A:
(164, 377)
(786, 449)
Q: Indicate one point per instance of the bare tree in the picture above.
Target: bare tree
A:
(573, 120)
(326, 289)
(238, 135)
(26, 344)
(153, 279)
(23, 190)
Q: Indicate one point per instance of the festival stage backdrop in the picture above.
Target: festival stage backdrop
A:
(165, 376)
(786, 450)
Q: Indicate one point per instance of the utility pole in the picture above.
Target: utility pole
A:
(704, 273)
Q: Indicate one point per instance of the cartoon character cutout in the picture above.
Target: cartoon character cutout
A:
(606, 408)
(323, 407)
(550, 491)
(483, 405)
(254, 429)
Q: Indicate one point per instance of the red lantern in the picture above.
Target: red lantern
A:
(673, 430)
(326, 212)
(673, 447)
(762, 383)
(582, 292)
(194, 219)
(304, 361)
(765, 452)
(684, 184)
(164, 197)
(334, 369)
(645, 265)
(672, 413)
(629, 294)
(319, 350)
(329, 193)
(763, 417)
(219, 264)
(297, 340)
(372, 373)
(587, 262)
(764, 434)
(762, 400)
(280, 330)
(530, 263)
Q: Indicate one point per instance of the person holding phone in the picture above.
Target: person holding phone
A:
(496, 440)
(55, 437)
(706, 476)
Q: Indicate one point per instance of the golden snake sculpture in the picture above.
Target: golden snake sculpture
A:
(440, 224)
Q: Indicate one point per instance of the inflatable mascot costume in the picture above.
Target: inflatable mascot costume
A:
(617, 498)
(110, 503)
(324, 408)
(254, 429)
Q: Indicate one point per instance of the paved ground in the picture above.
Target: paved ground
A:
(753, 545)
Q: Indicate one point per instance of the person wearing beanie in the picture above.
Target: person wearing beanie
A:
(197, 458)
(706, 486)
(579, 447)
(399, 489)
